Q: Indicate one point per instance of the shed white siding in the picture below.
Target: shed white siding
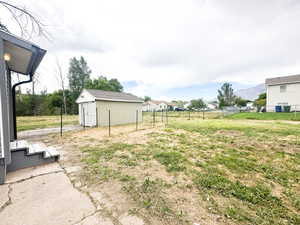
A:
(95, 105)
(120, 112)
(85, 96)
(87, 114)
(291, 96)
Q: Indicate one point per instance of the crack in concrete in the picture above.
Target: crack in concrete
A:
(8, 202)
(87, 216)
(103, 211)
(34, 176)
(10, 189)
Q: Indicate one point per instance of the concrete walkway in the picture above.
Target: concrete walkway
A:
(45, 131)
(45, 195)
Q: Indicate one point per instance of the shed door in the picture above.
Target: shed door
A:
(88, 114)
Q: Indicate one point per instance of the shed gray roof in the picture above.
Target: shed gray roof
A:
(114, 96)
(283, 80)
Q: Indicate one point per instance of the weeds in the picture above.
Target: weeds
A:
(174, 161)
(237, 163)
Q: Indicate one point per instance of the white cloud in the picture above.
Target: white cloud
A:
(173, 43)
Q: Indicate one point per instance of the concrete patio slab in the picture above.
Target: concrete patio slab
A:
(96, 219)
(46, 199)
(27, 173)
(4, 189)
(131, 220)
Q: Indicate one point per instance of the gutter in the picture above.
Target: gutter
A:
(14, 103)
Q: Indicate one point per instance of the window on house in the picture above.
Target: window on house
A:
(282, 88)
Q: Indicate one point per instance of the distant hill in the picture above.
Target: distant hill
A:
(251, 93)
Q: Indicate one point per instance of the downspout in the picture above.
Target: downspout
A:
(14, 102)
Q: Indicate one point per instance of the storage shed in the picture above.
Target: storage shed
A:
(97, 107)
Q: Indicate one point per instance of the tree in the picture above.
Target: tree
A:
(226, 96)
(3, 27)
(102, 83)
(260, 101)
(147, 98)
(180, 103)
(240, 102)
(115, 85)
(26, 21)
(79, 75)
(197, 104)
(61, 80)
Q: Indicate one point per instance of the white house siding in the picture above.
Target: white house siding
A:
(120, 112)
(150, 106)
(290, 97)
(4, 117)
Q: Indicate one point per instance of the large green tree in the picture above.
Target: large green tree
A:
(79, 75)
(102, 83)
(226, 96)
(197, 104)
(260, 101)
(241, 102)
(147, 98)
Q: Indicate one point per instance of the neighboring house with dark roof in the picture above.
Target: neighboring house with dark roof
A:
(97, 106)
(283, 91)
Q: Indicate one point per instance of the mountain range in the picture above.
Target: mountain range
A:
(251, 93)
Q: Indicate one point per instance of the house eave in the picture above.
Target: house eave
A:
(282, 83)
(117, 100)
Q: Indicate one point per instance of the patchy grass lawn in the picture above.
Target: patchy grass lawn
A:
(38, 122)
(196, 171)
(184, 114)
(266, 116)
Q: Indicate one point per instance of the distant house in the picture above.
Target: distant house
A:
(187, 105)
(283, 91)
(154, 105)
(97, 107)
(211, 106)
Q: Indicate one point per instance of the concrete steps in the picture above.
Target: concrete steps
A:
(25, 154)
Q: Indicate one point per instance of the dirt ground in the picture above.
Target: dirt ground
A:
(110, 195)
(129, 184)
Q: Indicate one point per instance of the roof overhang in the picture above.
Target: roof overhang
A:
(117, 100)
(283, 80)
(22, 56)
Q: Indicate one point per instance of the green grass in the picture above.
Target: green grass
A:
(243, 126)
(174, 161)
(265, 116)
(244, 171)
(39, 122)
(182, 115)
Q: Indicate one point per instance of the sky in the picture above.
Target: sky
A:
(170, 49)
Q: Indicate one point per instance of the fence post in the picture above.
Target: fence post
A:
(83, 116)
(109, 122)
(153, 117)
(97, 122)
(136, 119)
(162, 115)
(167, 116)
(189, 114)
(61, 119)
(203, 114)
